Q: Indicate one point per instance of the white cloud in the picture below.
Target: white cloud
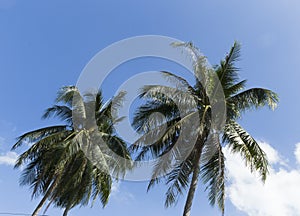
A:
(279, 196)
(273, 156)
(297, 153)
(9, 158)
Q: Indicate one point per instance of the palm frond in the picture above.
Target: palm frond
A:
(146, 117)
(66, 94)
(179, 82)
(169, 95)
(227, 71)
(235, 88)
(38, 134)
(239, 141)
(178, 180)
(252, 98)
(213, 173)
(63, 112)
(111, 107)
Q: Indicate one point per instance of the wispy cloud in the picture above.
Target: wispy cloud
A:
(297, 153)
(278, 196)
(8, 158)
(120, 194)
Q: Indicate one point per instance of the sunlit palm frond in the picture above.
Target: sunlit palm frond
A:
(254, 98)
(66, 95)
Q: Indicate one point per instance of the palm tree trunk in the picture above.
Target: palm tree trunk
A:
(193, 186)
(66, 211)
(42, 202)
(196, 170)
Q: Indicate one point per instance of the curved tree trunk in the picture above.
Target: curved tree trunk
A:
(196, 170)
(193, 186)
(43, 201)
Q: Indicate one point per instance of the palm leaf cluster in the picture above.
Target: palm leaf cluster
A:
(205, 159)
(70, 164)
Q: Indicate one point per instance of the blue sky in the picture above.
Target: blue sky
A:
(46, 44)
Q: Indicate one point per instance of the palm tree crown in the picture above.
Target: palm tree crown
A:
(67, 164)
(206, 158)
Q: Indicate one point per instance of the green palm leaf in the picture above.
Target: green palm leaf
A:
(239, 141)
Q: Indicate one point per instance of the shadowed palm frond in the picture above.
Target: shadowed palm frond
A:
(63, 112)
(227, 71)
(178, 180)
(239, 141)
(35, 135)
(213, 174)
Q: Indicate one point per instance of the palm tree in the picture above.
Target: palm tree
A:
(70, 164)
(205, 159)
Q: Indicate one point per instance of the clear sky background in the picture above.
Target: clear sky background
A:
(45, 45)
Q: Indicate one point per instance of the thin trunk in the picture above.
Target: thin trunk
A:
(193, 186)
(66, 211)
(43, 201)
(196, 170)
